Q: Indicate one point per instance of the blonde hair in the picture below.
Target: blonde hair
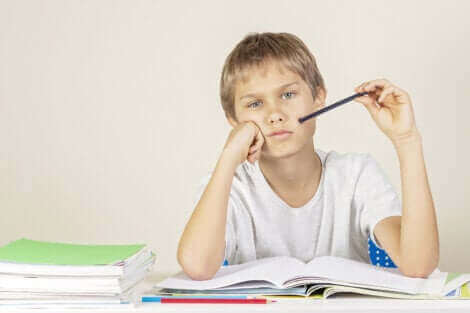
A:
(256, 49)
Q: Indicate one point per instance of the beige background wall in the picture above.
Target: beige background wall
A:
(109, 110)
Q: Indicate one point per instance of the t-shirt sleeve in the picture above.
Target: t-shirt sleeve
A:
(375, 197)
(230, 238)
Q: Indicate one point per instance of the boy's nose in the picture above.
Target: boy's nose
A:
(276, 117)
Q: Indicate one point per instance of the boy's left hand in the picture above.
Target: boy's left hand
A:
(390, 108)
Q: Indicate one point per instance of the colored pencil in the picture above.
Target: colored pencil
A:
(332, 106)
(151, 298)
(217, 301)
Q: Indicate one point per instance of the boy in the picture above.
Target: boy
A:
(292, 199)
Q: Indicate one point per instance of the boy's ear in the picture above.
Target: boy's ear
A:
(321, 97)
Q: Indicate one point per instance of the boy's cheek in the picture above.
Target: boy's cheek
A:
(251, 117)
(308, 128)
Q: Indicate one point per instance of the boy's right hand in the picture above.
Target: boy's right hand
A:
(244, 143)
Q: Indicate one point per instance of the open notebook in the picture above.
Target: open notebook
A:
(326, 274)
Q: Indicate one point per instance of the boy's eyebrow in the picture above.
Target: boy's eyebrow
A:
(280, 87)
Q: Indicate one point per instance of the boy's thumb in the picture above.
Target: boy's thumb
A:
(371, 107)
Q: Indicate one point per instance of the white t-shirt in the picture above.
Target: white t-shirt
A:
(354, 194)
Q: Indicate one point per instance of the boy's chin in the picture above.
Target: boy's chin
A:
(280, 152)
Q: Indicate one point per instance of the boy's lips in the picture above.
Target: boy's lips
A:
(280, 133)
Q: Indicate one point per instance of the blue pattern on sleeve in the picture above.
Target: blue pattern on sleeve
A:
(378, 256)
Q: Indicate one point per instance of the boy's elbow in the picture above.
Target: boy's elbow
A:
(196, 270)
(199, 274)
(418, 272)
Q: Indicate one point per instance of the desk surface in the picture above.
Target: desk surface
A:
(339, 303)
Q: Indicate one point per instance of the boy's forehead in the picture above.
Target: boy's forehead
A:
(258, 77)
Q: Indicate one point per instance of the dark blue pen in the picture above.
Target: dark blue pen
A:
(332, 106)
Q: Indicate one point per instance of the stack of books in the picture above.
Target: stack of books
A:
(41, 274)
(287, 279)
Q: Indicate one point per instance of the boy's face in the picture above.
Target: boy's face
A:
(273, 97)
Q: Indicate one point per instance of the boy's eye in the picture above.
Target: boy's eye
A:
(253, 104)
(285, 95)
(288, 95)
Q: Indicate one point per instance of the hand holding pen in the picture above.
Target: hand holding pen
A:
(389, 106)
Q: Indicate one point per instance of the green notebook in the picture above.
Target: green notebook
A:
(54, 253)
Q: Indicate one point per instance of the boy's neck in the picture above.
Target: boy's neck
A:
(296, 172)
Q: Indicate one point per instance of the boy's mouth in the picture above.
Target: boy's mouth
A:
(280, 134)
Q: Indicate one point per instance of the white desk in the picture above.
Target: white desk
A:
(350, 303)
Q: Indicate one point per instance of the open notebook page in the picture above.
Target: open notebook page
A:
(268, 272)
(346, 270)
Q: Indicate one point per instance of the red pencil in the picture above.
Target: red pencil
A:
(217, 301)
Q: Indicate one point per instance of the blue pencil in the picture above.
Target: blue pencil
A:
(151, 298)
(332, 106)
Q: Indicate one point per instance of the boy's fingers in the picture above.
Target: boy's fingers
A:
(254, 149)
(373, 85)
(369, 100)
(387, 91)
(259, 140)
(256, 155)
(365, 99)
(400, 95)
(253, 144)
(372, 108)
(378, 83)
(360, 88)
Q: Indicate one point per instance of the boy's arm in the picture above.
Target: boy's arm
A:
(412, 244)
(412, 241)
(202, 246)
